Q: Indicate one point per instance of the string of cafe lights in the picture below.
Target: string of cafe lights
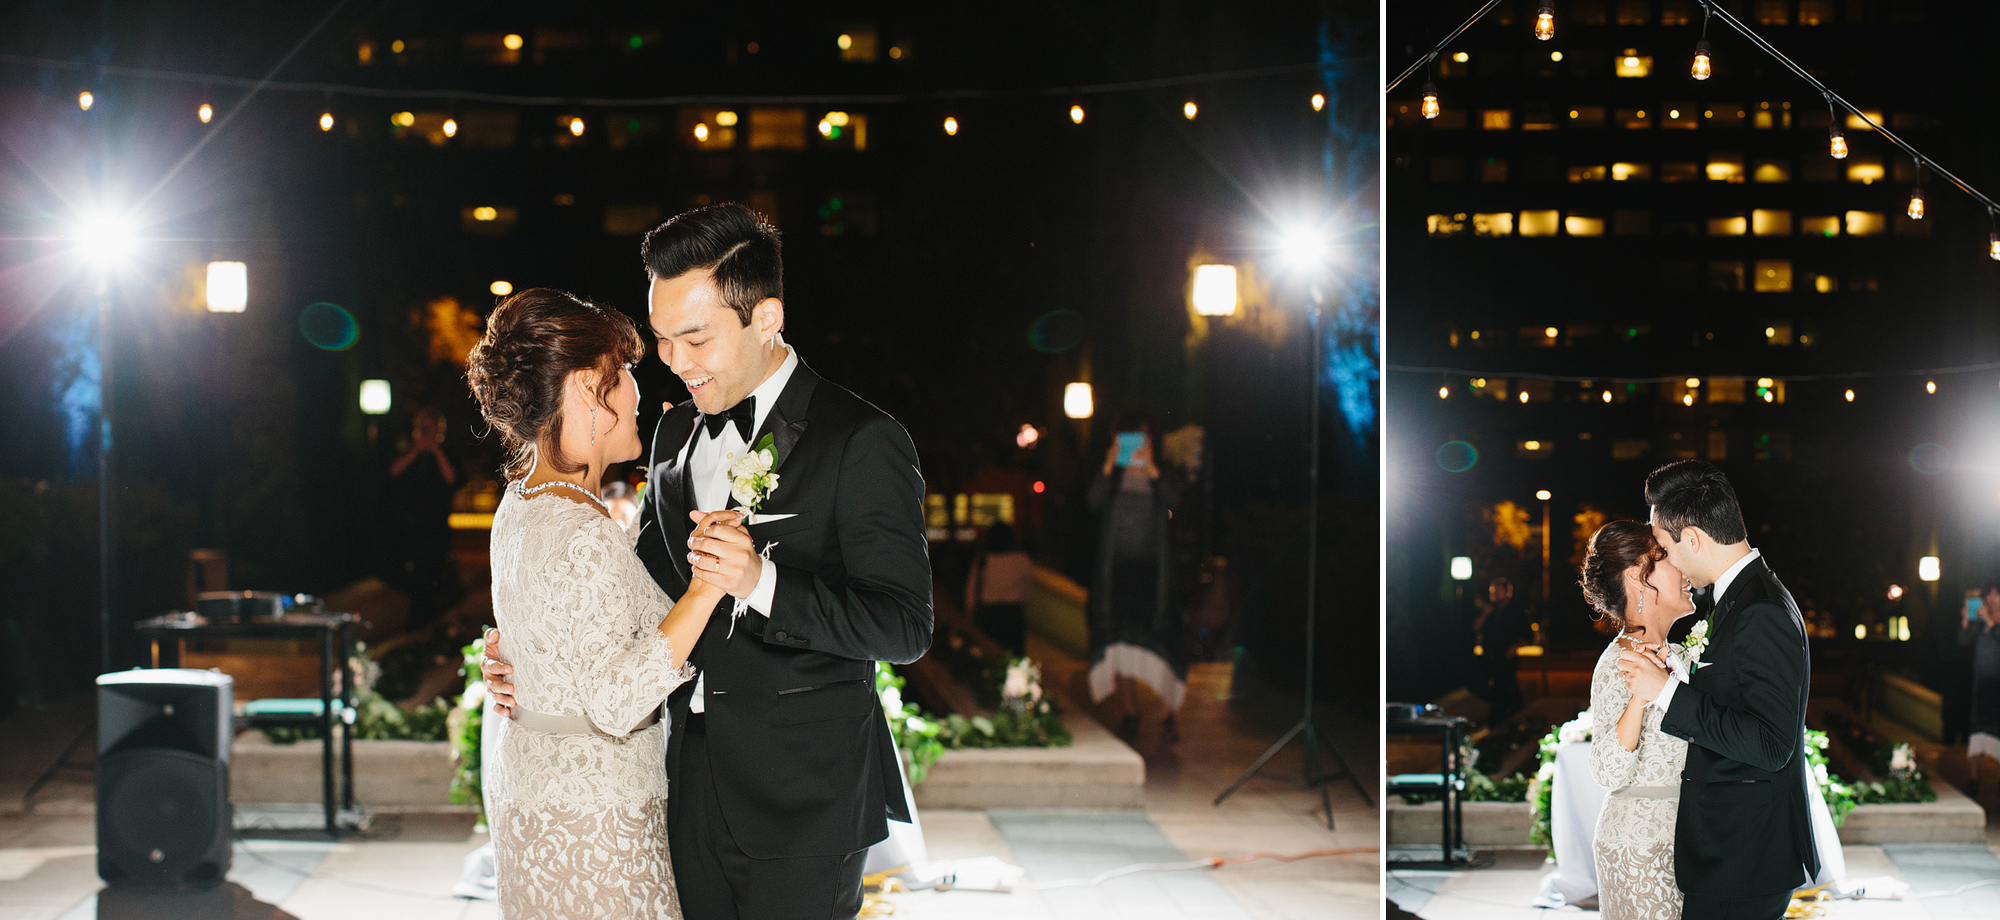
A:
(951, 125)
(1703, 67)
(1766, 385)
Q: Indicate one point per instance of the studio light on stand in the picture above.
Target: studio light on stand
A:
(1303, 251)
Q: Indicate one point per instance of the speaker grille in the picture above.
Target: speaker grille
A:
(163, 818)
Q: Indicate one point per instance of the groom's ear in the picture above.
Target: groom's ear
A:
(769, 318)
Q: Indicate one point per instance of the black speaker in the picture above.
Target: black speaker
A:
(163, 815)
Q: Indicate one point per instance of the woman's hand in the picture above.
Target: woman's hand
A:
(1111, 457)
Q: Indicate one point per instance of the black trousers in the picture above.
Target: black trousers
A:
(718, 881)
(1766, 907)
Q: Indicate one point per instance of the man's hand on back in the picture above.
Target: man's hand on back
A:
(496, 672)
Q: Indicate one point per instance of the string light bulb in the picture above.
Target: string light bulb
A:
(1916, 210)
(1836, 143)
(1993, 246)
(205, 113)
(1076, 114)
(950, 126)
(1702, 67)
(701, 131)
(1545, 21)
(451, 127)
(326, 121)
(1430, 100)
(576, 127)
(1189, 109)
(1930, 386)
(1850, 395)
(1319, 101)
(84, 100)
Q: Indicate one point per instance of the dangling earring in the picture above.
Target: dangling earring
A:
(593, 426)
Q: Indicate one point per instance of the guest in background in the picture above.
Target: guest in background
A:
(996, 593)
(1501, 630)
(1135, 624)
(421, 484)
(622, 501)
(1981, 633)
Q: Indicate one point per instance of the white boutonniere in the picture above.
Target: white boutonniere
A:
(1695, 644)
(750, 479)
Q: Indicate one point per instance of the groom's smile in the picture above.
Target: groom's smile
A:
(707, 343)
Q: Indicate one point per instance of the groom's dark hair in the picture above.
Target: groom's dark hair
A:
(730, 240)
(1692, 493)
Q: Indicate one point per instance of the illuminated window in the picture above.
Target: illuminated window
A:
(630, 219)
(1501, 224)
(858, 43)
(1774, 276)
(1772, 171)
(1587, 173)
(1725, 276)
(1815, 12)
(1535, 449)
(491, 128)
(1767, 222)
(1820, 226)
(1822, 284)
(493, 48)
(1856, 123)
(1718, 443)
(488, 220)
(1778, 333)
(1631, 223)
(1587, 12)
(1909, 226)
(1496, 119)
(1865, 169)
(989, 508)
(1538, 223)
(1724, 389)
(1449, 120)
(1725, 167)
(1630, 448)
(1454, 65)
(1632, 64)
(843, 130)
(1539, 120)
(1493, 169)
(560, 46)
(1677, 12)
(708, 128)
(1866, 223)
(1447, 169)
(1445, 224)
(1583, 225)
(1631, 172)
(1634, 119)
(1727, 226)
(777, 129)
(1634, 12)
(1586, 116)
(637, 129)
(1680, 172)
(1773, 12)
(1681, 116)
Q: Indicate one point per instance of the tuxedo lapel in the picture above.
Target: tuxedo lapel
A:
(787, 420)
(1727, 603)
(671, 452)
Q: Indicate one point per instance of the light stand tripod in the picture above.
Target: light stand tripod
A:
(1305, 730)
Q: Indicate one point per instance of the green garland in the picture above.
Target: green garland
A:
(1025, 717)
(465, 726)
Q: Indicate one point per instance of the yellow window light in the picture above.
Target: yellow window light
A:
(1215, 290)
(501, 288)
(726, 119)
(512, 42)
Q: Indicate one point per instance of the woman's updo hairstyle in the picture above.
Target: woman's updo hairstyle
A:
(1615, 547)
(533, 341)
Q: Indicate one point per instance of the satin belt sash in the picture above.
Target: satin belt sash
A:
(1647, 792)
(566, 725)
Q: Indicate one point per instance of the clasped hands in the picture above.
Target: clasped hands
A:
(1644, 668)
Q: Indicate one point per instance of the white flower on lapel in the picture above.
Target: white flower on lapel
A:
(1696, 643)
(750, 479)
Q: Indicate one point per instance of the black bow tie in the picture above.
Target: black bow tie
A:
(744, 414)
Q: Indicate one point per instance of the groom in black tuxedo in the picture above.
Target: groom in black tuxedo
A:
(781, 768)
(1743, 840)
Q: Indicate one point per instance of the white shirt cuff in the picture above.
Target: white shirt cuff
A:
(1666, 698)
(767, 589)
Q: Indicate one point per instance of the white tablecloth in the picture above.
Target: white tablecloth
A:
(1575, 799)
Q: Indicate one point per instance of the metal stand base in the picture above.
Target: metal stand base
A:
(1309, 775)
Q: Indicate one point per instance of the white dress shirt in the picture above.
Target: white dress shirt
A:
(1666, 698)
(708, 469)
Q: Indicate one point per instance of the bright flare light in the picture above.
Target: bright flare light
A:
(1927, 568)
(1077, 402)
(501, 288)
(205, 113)
(105, 238)
(1302, 247)
(375, 399)
(1027, 437)
(1542, 495)
(228, 287)
(1461, 568)
(1895, 592)
(1215, 290)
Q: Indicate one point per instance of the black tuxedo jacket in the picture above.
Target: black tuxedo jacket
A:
(801, 753)
(1744, 828)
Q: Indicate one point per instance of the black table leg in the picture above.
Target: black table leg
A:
(326, 730)
(348, 698)
(168, 651)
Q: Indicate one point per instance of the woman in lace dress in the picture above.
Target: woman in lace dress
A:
(1628, 580)
(577, 796)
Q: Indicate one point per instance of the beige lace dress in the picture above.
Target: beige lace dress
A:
(1634, 845)
(579, 820)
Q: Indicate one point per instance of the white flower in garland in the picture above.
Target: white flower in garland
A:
(1575, 730)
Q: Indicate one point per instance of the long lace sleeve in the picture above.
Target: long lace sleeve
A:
(627, 665)
(1610, 764)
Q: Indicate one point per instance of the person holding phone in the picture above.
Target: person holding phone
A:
(1135, 623)
(1981, 634)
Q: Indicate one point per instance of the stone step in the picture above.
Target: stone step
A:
(1097, 771)
(388, 775)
